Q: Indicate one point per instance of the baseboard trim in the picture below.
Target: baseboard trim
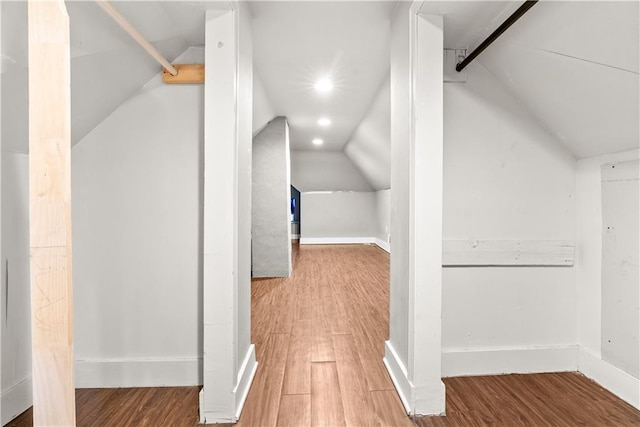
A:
(398, 373)
(109, 373)
(425, 400)
(498, 361)
(336, 240)
(245, 379)
(618, 382)
(383, 245)
(16, 400)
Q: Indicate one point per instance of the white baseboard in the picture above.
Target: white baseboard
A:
(229, 411)
(618, 382)
(336, 240)
(458, 363)
(295, 237)
(417, 400)
(245, 378)
(383, 245)
(106, 373)
(16, 400)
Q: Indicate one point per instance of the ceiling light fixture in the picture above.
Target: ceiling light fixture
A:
(324, 121)
(317, 141)
(323, 85)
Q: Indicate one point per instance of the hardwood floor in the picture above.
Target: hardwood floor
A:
(319, 339)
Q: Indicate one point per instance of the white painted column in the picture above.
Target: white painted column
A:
(413, 352)
(229, 362)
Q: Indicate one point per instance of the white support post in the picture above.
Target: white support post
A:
(413, 352)
(229, 362)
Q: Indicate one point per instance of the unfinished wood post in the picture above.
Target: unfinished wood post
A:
(50, 214)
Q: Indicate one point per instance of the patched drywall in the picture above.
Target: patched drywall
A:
(271, 202)
(620, 279)
(590, 286)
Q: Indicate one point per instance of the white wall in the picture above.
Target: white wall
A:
(400, 134)
(137, 219)
(318, 170)
(589, 278)
(16, 311)
(263, 110)
(383, 211)
(369, 148)
(338, 217)
(505, 178)
(271, 201)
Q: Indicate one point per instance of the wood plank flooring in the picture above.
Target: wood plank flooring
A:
(319, 340)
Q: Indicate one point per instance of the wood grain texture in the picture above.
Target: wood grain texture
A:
(564, 399)
(355, 388)
(187, 73)
(50, 214)
(507, 252)
(295, 411)
(326, 397)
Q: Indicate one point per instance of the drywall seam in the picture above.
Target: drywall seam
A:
(106, 373)
(17, 399)
(618, 382)
(498, 361)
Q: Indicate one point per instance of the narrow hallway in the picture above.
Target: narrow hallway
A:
(319, 338)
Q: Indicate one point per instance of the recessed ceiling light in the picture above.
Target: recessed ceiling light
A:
(323, 85)
(324, 121)
(317, 141)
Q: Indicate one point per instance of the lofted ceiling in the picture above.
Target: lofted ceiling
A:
(107, 66)
(297, 43)
(573, 65)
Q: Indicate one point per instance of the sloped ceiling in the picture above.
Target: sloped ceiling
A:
(369, 148)
(575, 66)
(107, 66)
(324, 170)
(296, 43)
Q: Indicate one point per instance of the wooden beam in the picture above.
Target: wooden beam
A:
(50, 214)
(507, 253)
(135, 34)
(187, 73)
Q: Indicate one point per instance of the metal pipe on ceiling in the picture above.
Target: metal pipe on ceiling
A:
(135, 34)
(497, 33)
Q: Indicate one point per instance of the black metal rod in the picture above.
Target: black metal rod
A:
(497, 33)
